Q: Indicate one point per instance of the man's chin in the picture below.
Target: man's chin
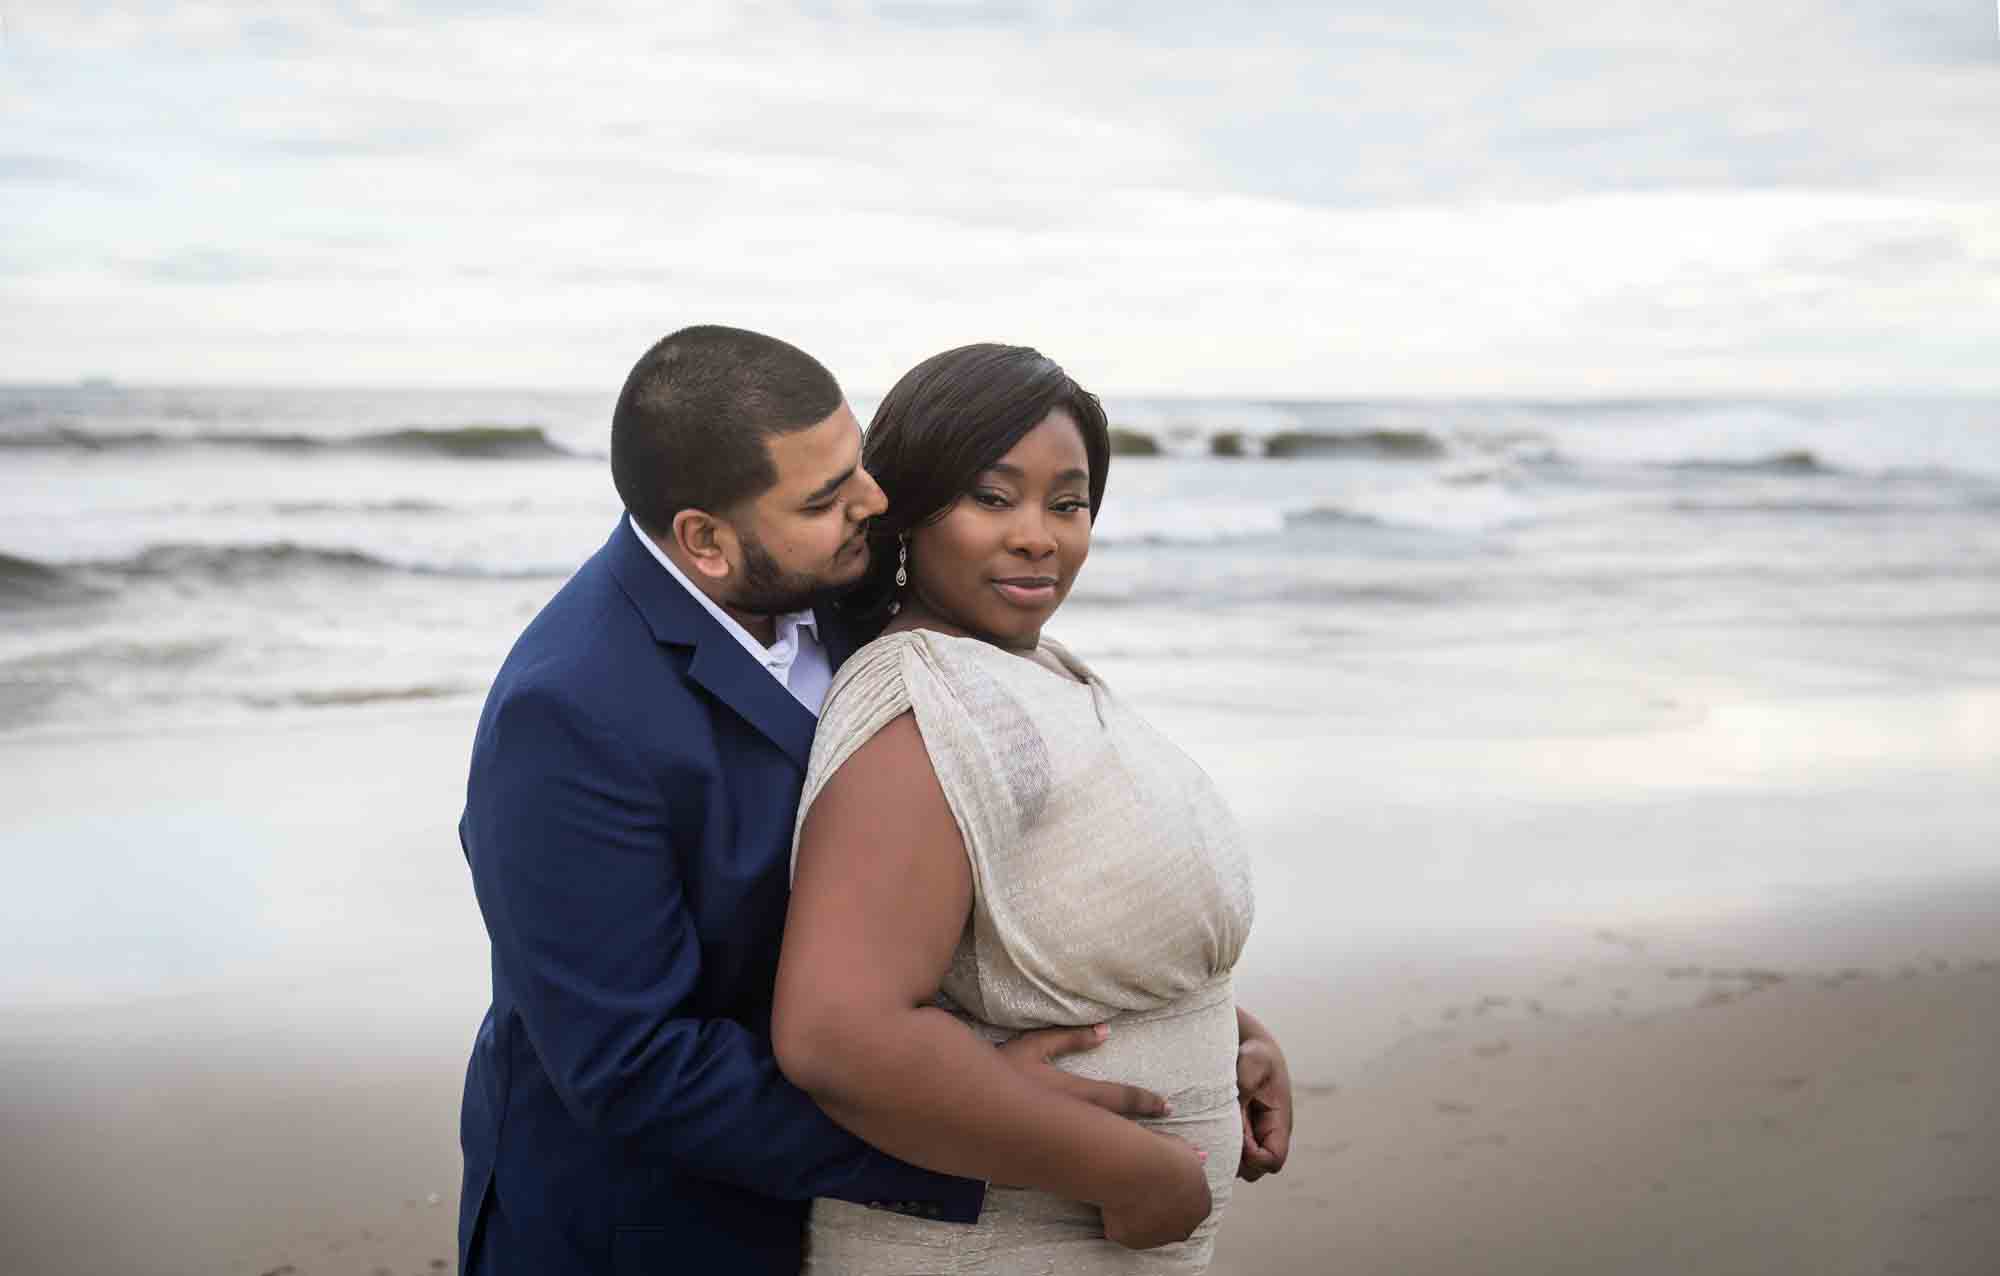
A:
(846, 572)
(804, 594)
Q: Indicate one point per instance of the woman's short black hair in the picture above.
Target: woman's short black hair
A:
(947, 421)
(691, 427)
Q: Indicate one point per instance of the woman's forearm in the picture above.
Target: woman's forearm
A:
(919, 1085)
(882, 890)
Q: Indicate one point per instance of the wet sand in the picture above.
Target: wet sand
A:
(1841, 1120)
(242, 987)
(1834, 1119)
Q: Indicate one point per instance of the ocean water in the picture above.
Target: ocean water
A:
(200, 555)
(1457, 665)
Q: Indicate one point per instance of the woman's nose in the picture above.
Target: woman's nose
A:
(1028, 534)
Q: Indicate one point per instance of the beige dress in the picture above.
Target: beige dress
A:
(1109, 883)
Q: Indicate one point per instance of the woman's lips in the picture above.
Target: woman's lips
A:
(1027, 591)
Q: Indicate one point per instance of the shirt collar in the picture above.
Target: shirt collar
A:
(788, 624)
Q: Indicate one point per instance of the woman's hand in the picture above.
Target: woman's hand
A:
(1167, 1204)
(879, 902)
(1264, 1096)
(1033, 1055)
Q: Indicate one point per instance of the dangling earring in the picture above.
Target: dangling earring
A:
(902, 570)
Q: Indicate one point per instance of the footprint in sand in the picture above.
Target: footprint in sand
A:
(1493, 1050)
(1461, 1147)
(1939, 1211)
(1448, 1107)
(1790, 1084)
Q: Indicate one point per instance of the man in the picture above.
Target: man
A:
(628, 822)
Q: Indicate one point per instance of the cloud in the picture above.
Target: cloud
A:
(29, 169)
(1317, 198)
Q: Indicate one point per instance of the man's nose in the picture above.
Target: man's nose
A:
(870, 500)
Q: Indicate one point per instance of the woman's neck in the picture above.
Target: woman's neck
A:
(916, 614)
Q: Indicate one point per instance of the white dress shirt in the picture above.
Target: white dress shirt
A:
(797, 659)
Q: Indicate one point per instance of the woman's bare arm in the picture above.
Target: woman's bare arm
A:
(879, 899)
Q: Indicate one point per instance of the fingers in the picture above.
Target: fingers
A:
(1200, 1154)
(1256, 1164)
(1124, 1100)
(1254, 1067)
(1051, 1043)
(1272, 1129)
(1248, 1165)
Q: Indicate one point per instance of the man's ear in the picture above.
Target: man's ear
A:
(709, 543)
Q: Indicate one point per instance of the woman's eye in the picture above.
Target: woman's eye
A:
(991, 500)
(1071, 507)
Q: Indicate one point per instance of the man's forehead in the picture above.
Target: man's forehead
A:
(807, 458)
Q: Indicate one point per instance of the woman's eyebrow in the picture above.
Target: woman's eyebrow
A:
(1015, 472)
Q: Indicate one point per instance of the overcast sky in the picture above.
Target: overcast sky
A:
(1565, 197)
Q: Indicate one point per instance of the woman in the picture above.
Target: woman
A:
(989, 838)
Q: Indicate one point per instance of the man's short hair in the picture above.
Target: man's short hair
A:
(692, 422)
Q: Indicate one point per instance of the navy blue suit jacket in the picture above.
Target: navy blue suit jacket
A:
(628, 822)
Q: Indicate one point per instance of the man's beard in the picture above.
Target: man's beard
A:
(768, 589)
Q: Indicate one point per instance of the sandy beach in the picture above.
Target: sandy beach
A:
(252, 1063)
(1553, 492)
(1827, 1120)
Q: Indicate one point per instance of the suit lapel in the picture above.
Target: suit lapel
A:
(836, 634)
(720, 665)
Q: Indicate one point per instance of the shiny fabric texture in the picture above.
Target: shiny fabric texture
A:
(1110, 883)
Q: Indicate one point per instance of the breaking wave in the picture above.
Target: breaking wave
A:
(27, 583)
(462, 442)
(1797, 461)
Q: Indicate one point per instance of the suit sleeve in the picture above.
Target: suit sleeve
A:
(582, 896)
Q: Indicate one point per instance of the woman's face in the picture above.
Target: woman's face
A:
(1002, 558)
